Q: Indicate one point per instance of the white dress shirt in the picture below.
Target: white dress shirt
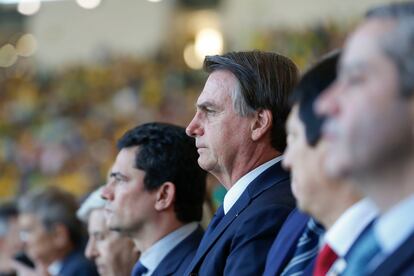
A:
(393, 228)
(153, 256)
(347, 228)
(240, 186)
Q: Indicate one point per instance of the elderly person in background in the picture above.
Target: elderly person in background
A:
(112, 253)
(9, 237)
(52, 234)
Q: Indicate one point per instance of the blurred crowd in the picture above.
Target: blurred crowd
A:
(317, 167)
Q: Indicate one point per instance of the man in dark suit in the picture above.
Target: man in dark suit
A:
(370, 132)
(240, 136)
(344, 217)
(52, 234)
(155, 195)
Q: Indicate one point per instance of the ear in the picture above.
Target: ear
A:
(61, 236)
(165, 196)
(262, 123)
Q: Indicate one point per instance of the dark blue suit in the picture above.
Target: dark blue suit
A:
(239, 243)
(283, 248)
(178, 259)
(401, 262)
(76, 264)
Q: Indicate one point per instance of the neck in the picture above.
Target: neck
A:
(337, 205)
(389, 186)
(153, 232)
(246, 160)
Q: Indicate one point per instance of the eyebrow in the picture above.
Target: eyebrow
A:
(117, 175)
(346, 68)
(205, 105)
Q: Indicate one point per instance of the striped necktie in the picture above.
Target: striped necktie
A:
(306, 249)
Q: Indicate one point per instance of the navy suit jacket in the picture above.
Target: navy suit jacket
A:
(76, 264)
(178, 259)
(284, 246)
(401, 262)
(240, 242)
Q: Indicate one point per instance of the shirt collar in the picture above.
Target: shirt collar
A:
(55, 268)
(398, 219)
(238, 188)
(350, 225)
(153, 256)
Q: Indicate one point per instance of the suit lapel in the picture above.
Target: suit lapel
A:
(401, 258)
(264, 181)
(171, 263)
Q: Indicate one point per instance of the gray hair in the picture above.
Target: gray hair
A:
(92, 202)
(53, 206)
(240, 105)
(398, 44)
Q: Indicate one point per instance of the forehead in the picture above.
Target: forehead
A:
(363, 47)
(28, 219)
(96, 220)
(125, 159)
(219, 86)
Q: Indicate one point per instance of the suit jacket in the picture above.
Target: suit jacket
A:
(239, 243)
(400, 262)
(178, 259)
(284, 246)
(76, 264)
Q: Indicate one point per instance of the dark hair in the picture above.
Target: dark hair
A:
(401, 53)
(166, 153)
(54, 206)
(313, 82)
(265, 82)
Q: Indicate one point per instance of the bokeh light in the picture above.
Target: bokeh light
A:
(208, 42)
(28, 7)
(26, 45)
(8, 55)
(88, 4)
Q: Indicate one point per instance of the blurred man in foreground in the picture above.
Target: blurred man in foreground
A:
(370, 124)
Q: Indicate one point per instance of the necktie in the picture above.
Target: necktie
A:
(139, 269)
(362, 254)
(324, 261)
(306, 249)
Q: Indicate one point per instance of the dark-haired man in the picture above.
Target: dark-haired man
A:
(240, 136)
(336, 205)
(155, 195)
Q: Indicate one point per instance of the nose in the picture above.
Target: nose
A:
(286, 162)
(90, 251)
(107, 192)
(194, 128)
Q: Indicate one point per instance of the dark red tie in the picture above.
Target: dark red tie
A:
(324, 261)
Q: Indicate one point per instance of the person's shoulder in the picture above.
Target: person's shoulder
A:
(78, 264)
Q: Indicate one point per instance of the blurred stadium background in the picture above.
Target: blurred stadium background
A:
(74, 75)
